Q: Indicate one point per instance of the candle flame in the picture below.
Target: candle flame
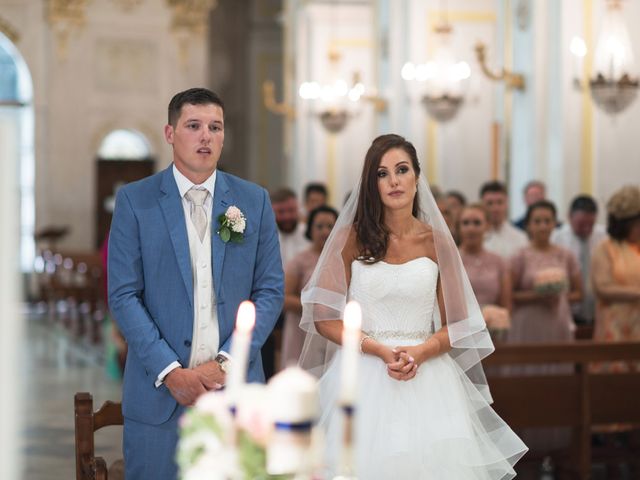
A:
(246, 318)
(352, 316)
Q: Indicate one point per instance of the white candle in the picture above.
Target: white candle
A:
(350, 352)
(293, 402)
(240, 348)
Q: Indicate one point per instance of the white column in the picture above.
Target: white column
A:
(523, 138)
(10, 321)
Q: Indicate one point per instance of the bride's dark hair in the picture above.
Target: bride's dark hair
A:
(372, 234)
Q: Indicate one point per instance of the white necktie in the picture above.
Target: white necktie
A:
(197, 198)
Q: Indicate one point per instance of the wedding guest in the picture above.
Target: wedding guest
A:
(297, 273)
(315, 195)
(488, 273)
(533, 192)
(501, 238)
(546, 278)
(290, 231)
(455, 202)
(581, 236)
(616, 270)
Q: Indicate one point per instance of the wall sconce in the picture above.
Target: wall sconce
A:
(511, 80)
(271, 104)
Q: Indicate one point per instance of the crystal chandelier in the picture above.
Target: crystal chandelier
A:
(443, 76)
(613, 80)
(335, 98)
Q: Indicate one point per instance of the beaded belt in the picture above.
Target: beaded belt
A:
(395, 334)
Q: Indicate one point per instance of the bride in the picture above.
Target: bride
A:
(423, 408)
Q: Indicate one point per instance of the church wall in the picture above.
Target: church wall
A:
(119, 70)
(550, 131)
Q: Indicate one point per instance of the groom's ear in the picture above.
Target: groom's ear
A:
(168, 134)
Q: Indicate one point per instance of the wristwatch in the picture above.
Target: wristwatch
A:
(223, 362)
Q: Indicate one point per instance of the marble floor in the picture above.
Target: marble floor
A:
(56, 367)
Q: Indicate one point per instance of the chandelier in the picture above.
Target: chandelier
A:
(443, 76)
(336, 98)
(613, 80)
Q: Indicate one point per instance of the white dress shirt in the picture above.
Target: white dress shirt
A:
(292, 243)
(206, 336)
(506, 240)
(582, 249)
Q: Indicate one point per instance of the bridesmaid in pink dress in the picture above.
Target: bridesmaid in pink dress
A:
(546, 279)
(296, 275)
(488, 273)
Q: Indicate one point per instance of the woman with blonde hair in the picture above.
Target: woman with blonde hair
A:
(615, 271)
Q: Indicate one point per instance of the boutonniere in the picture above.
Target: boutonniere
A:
(232, 225)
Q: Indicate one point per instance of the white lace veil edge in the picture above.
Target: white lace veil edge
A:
(326, 294)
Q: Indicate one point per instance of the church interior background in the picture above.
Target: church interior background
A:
(307, 84)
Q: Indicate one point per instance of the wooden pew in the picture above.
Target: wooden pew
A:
(88, 466)
(579, 400)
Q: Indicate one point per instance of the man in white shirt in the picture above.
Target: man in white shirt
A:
(534, 191)
(177, 277)
(315, 195)
(290, 231)
(581, 235)
(502, 238)
(292, 241)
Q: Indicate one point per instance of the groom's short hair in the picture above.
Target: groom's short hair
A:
(193, 96)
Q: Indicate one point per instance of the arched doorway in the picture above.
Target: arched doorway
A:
(124, 155)
(16, 117)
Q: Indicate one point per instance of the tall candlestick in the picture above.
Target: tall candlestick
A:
(240, 349)
(350, 352)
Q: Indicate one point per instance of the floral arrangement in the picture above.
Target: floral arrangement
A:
(498, 321)
(215, 445)
(232, 225)
(550, 281)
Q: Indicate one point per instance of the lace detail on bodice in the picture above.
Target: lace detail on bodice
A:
(397, 300)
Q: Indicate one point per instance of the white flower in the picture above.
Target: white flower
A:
(234, 213)
(220, 466)
(216, 404)
(236, 219)
(239, 225)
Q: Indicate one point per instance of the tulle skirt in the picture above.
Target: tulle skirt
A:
(434, 426)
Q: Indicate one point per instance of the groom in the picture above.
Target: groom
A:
(175, 284)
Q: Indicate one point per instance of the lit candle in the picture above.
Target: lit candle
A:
(240, 348)
(350, 352)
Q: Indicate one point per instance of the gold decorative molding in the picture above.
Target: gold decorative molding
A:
(9, 31)
(65, 16)
(189, 19)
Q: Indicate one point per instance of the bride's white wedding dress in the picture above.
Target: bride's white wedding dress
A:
(434, 426)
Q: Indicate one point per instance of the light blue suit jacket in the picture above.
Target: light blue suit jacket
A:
(151, 283)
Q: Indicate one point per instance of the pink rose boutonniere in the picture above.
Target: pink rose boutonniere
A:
(232, 225)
